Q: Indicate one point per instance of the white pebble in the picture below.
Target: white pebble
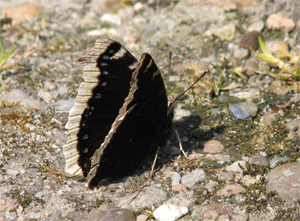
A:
(169, 212)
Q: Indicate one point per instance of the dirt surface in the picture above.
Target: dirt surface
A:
(49, 36)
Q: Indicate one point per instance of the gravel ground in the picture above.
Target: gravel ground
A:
(238, 126)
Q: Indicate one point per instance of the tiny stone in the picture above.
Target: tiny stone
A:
(169, 212)
(240, 217)
(226, 176)
(62, 90)
(251, 65)
(11, 215)
(236, 166)
(268, 118)
(247, 93)
(244, 110)
(277, 159)
(222, 99)
(248, 180)
(226, 32)
(148, 197)
(198, 29)
(138, 7)
(64, 105)
(258, 160)
(214, 110)
(221, 158)
(12, 172)
(110, 19)
(192, 178)
(280, 21)
(142, 217)
(230, 189)
(277, 88)
(17, 95)
(223, 218)
(210, 185)
(210, 215)
(49, 86)
(275, 46)
(1, 178)
(213, 146)
(240, 52)
(179, 187)
(292, 135)
(46, 96)
(107, 212)
(250, 40)
(176, 179)
(220, 208)
(256, 26)
(293, 125)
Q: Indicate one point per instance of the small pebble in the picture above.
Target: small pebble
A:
(281, 22)
(240, 217)
(62, 90)
(247, 93)
(269, 118)
(169, 212)
(226, 32)
(192, 178)
(230, 189)
(236, 166)
(147, 198)
(276, 160)
(258, 160)
(17, 95)
(142, 217)
(12, 172)
(251, 65)
(250, 40)
(226, 176)
(210, 215)
(64, 105)
(213, 146)
(256, 26)
(175, 179)
(107, 212)
(244, 110)
(248, 180)
(110, 19)
(179, 187)
(275, 46)
(293, 125)
(277, 88)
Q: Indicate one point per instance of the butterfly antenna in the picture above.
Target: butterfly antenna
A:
(177, 98)
(169, 71)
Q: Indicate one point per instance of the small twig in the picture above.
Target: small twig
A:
(51, 170)
(180, 145)
(154, 162)
(140, 190)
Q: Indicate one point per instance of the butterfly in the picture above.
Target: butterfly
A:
(121, 114)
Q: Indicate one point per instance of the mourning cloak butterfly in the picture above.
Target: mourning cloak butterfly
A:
(121, 114)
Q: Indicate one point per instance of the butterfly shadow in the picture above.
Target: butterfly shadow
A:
(191, 136)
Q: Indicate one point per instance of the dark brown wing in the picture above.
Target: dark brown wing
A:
(108, 68)
(144, 122)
